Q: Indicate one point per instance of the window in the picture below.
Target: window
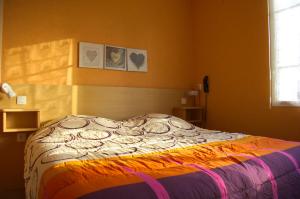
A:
(1, 30)
(285, 51)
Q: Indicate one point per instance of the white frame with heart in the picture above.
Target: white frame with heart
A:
(109, 63)
(137, 60)
(98, 53)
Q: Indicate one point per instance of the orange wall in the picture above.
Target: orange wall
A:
(40, 40)
(185, 39)
(232, 48)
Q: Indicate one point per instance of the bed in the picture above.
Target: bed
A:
(156, 156)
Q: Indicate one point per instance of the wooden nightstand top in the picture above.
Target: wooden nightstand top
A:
(18, 110)
(19, 120)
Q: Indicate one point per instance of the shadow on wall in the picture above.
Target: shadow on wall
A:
(53, 101)
(43, 73)
(43, 63)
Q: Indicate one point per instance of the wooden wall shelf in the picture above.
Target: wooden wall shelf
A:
(19, 120)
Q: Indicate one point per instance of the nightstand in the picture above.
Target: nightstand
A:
(15, 123)
(193, 115)
(19, 120)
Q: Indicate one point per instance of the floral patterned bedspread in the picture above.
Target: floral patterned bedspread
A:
(78, 144)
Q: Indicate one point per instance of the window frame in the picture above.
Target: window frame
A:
(1, 35)
(273, 70)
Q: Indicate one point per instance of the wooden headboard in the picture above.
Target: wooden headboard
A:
(123, 102)
(55, 101)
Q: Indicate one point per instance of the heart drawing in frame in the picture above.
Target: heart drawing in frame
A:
(91, 55)
(115, 58)
(137, 60)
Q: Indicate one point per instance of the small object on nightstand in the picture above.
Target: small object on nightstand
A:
(193, 115)
(19, 120)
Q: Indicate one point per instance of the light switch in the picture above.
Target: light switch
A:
(183, 100)
(21, 100)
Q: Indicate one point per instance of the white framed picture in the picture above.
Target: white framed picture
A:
(115, 58)
(91, 55)
(137, 60)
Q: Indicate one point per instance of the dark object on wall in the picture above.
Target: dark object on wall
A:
(206, 84)
(206, 91)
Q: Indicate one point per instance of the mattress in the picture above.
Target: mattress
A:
(156, 156)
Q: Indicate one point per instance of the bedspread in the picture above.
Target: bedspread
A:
(156, 156)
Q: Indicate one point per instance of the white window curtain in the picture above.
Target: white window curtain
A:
(285, 51)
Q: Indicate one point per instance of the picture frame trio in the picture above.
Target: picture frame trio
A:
(112, 57)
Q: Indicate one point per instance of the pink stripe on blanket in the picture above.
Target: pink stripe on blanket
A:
(290, 157)
(216, 178)
(158, 189)
(267, 170)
